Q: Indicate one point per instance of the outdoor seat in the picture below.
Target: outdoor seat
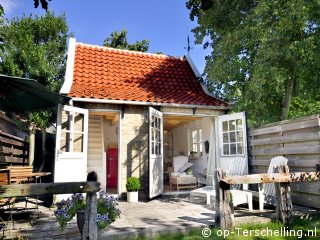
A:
(266, 191)
(240, 195)
(6, 204)
(178, 177)
(19, 174)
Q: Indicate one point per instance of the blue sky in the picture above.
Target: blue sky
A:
(165, 23)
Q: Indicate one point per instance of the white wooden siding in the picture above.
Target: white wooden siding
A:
(96, 149)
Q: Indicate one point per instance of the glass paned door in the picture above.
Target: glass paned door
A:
(155, 152)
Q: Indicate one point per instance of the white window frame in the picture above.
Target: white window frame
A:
(198, 143)
(228, 132)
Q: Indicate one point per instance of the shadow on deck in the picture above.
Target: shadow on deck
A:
(168, 214)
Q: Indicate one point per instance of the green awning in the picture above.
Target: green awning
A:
(26, 95)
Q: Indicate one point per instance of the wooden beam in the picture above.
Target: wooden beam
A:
(35, 189)
(284, 203)
(223, 216)
(90, 228)
(273, 177)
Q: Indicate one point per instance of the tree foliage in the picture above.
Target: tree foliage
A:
(265, 54)
(35, 47)
(119, 39)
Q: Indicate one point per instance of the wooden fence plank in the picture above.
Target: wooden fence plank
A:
(36, 189)
(262, 131)
(284, 127)
(7, 135)
(11, 141)
(9, 150)
(9, 159)
(287, 150)
(299, 164)
(313, 136)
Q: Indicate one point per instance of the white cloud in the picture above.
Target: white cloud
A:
(9, 5)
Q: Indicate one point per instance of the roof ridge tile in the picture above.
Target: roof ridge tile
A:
(133, 52)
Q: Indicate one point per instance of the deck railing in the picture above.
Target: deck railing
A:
(90, 230)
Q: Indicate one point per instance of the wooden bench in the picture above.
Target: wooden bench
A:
(19, 174)
(6, 203)
(4, 176)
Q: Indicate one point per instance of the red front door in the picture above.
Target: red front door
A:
(112, 167)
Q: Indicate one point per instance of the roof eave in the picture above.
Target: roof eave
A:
(198, 75)
(108, 101)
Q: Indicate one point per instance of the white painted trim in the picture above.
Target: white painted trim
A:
(70, 65)
(193, 66)
(104, 158)
(92, 100)
(217, 149)
(58, 134)
(205, 89)
(153, 158)
(233, 116)
(198, 75)
(119, 153)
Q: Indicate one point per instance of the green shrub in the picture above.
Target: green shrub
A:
(133, 184)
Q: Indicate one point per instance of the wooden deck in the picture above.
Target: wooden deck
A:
(38, 224)
(167, 214)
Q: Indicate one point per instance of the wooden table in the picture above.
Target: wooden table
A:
(29, 175)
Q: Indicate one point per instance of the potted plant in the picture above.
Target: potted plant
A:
(133, 186)
(107, 210)
(193, 154)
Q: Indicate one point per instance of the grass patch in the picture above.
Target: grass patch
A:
(300, 229)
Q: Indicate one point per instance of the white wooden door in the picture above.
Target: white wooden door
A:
(232, 134)
(155, 153)
(71, 144)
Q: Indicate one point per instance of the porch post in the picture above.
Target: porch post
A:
(223, 217)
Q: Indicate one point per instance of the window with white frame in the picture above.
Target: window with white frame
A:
(232, 137)
(196, 142)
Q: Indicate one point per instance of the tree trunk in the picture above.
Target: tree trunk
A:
(287, 98)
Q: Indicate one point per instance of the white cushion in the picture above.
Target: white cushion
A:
(185, 176)
(184, 167)
(177, 174)
(178, 162)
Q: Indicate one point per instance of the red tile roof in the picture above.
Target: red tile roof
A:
(113, 74)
